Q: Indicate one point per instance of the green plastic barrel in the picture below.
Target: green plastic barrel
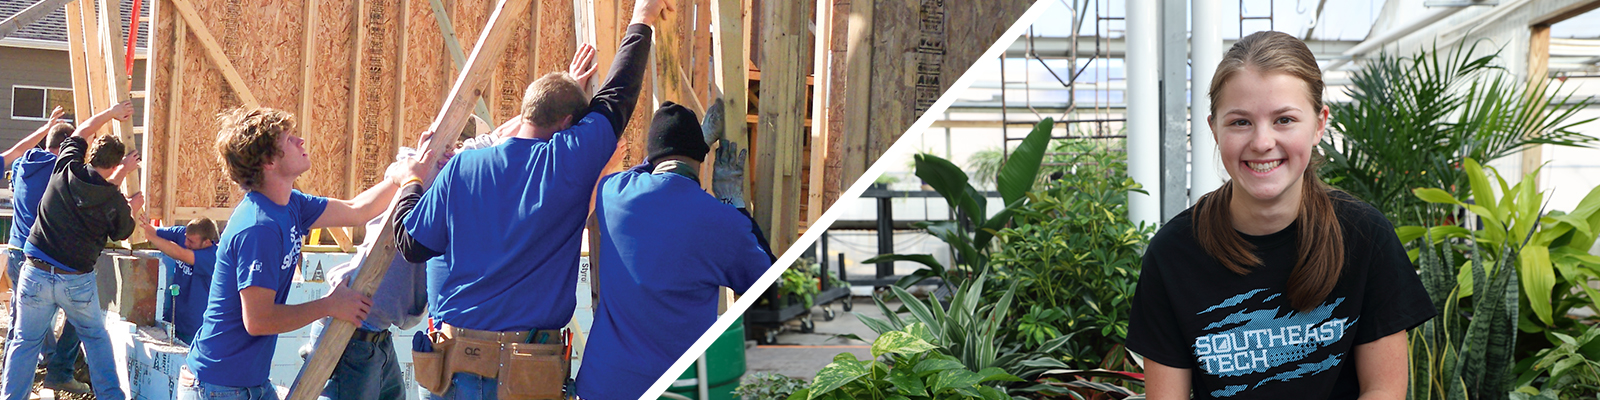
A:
(724, 364)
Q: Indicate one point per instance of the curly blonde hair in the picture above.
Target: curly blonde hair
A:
(248, 139)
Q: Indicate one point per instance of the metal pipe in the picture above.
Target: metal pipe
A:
(1205, 54)
(1391, 35)
(705, 379)
(1144, 110)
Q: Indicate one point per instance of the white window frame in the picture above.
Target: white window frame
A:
(44, 111)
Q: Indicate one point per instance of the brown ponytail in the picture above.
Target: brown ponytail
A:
(1320, 241)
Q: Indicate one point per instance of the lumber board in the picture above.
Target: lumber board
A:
(858, 91)
(118, 84)
(330, 346)
(88, 13)
(782, 112)
(669, 53)
(77, 61)
(1538, 71)
(838, 44)
(817, 151)
(730, 74)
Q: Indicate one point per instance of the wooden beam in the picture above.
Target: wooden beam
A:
(218, 214)
(29, 15)
(819, 111)
(858, 85)
(669, 49)
(353, 121)
(1538, 71)
(75, 56)
(330, 346)
(400, 79)
(94, 59)
(119, 83)
(702, 53)
(731, 75)
(308, 64)
(169, 159)
(838, 43)
(452, 45)
(214, 51)
(783, 108)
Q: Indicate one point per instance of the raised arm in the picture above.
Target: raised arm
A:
(32, 139)
(174, 250)
(90, 127)
(367, 205)
(617, 97)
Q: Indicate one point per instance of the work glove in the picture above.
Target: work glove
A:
(728, 177)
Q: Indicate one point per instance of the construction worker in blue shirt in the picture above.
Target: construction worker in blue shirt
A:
(651, 275)
(500, 226)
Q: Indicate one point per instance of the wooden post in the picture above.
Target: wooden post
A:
(838, 43)
(452, 117)
(782, 119)
(353, 121)
(75, 55)
(1538, 67)
(118, 81)
(90, 23)
(669, 50)
(731, 76)
(819, 112)
(858, 85)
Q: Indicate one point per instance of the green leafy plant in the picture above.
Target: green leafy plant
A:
(768, 386)
(798, 280)
(1572, 369)
(1073, 250)
(1410, 121)
(916, 371)
(1039, 325)
(1543, 244)
(973, 230)
(1457, 356)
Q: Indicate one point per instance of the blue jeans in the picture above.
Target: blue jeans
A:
(466, 386)
(367, 370)
(60, 355)
(205, 391)
(40, 293)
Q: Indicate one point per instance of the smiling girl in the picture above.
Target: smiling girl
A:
(1274, 285)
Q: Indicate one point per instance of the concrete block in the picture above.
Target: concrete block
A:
(137, 279)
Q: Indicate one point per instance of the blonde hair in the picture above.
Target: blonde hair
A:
(552, 97)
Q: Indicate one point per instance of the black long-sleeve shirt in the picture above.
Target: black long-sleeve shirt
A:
(615, 101)
(80, 211)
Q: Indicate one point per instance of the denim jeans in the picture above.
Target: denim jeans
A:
(466, 386)
(40, 293)
(61, 355)
(367, 370)
(205, 391)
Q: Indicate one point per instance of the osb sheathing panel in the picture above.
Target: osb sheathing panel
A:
(327, 130)
(265, 43)
(160, 69)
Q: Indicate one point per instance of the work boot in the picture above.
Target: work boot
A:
(70, 386)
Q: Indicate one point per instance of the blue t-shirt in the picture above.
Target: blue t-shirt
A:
(512, 263)
(260, 247)
(665, 247)
(194, 284)
(29, 176)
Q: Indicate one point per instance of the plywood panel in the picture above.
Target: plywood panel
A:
(379, 57)
(159, 126)
(327, 130)
(426, 79)
(557, 40)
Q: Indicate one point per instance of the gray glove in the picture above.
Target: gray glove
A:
(711, 128)
(728, 176)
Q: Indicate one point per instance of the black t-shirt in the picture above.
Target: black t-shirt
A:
(1239, 335)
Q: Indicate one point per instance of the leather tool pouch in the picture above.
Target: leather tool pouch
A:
(474, 356)
(432, 370)
(530, 371)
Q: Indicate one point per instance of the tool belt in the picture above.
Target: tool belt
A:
(527, 369)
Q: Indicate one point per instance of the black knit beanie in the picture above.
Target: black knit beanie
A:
(675, 131)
